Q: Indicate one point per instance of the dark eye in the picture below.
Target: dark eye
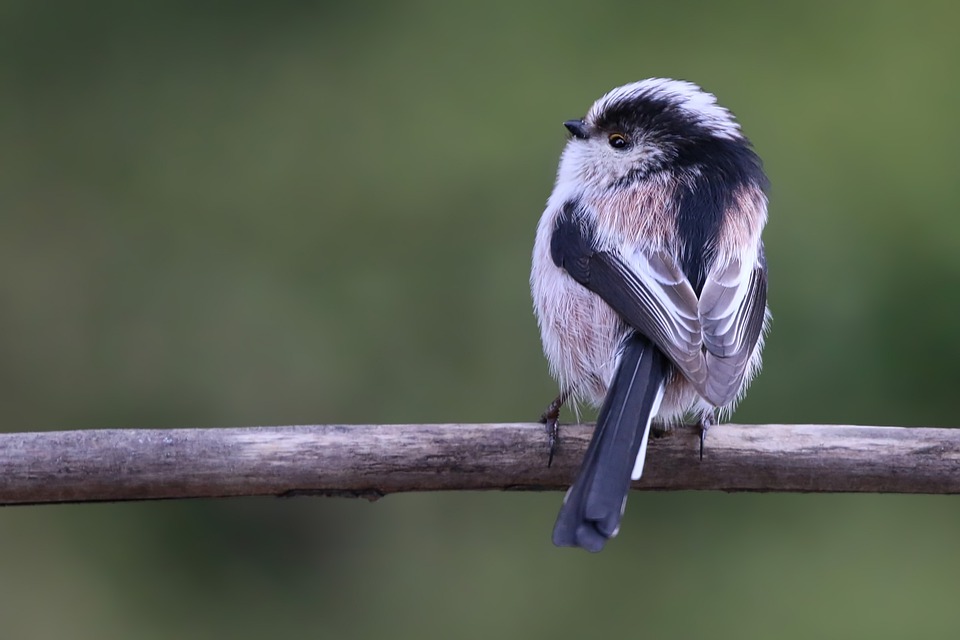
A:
(617, 140)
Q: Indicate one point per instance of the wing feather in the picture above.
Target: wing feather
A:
(732, 308)
(711, 339)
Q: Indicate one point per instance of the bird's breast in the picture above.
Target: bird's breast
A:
(637, 215)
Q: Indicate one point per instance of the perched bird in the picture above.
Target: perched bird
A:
(649, 281)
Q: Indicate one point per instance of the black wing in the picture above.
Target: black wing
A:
(710, 339)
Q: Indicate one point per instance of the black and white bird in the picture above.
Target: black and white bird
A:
(649, 281)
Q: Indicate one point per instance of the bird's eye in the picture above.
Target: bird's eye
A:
(617, 140)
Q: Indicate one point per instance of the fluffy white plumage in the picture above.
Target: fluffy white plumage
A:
(637, 222)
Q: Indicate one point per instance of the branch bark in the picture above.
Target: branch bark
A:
(374, 460)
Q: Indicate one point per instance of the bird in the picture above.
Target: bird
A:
(649, 282)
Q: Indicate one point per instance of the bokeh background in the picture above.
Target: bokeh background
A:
(243, 213)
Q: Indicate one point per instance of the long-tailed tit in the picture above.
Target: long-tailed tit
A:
(649, 281)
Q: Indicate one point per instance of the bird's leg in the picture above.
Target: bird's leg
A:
(549, 418)
(707, 420)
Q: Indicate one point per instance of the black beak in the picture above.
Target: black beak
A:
(578, 128)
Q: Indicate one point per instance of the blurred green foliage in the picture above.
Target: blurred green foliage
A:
(227, 214)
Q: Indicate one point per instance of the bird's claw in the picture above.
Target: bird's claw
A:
(705, 423)
(553, 432)
(550, 419)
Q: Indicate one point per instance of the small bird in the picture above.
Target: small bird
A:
(649, 282)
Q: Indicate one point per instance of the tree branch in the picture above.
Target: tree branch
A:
(374, 460)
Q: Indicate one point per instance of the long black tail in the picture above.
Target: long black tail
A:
(593, 506)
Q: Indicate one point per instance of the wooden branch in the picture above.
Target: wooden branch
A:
(374, 460)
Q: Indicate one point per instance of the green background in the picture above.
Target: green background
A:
(229, 214)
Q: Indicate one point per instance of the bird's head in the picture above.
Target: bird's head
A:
(645, 127)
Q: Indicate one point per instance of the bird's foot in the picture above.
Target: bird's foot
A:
(550, 419)
(706, 422)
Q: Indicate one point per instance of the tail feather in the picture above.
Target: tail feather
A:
(593, 507)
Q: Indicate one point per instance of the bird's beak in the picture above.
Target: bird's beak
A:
(578, 128)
